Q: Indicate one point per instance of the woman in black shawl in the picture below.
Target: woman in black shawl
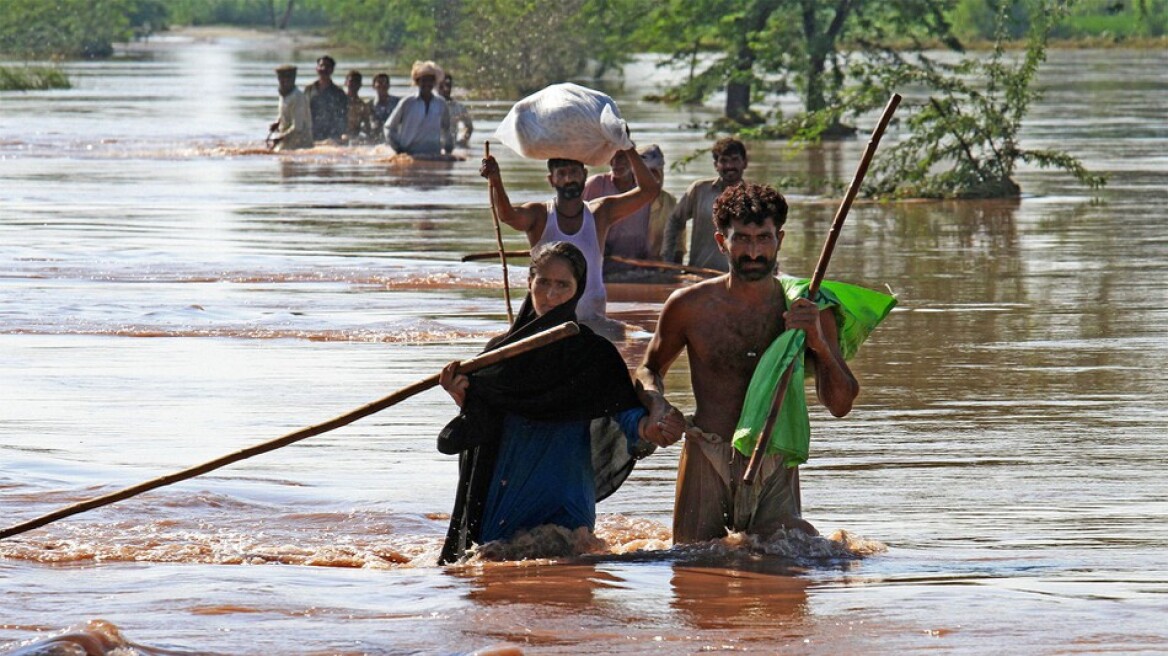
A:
(530, 452)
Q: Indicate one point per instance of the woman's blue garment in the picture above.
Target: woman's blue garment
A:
(544, 475)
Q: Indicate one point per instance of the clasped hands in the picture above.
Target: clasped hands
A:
(663, 426)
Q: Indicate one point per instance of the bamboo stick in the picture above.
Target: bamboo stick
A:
(837, 225)
(499, 241)
(474, 364)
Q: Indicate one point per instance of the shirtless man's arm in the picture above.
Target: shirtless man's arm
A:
(667, 343)
(529, 218)
(611, 209)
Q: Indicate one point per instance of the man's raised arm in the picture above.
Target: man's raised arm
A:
(524, 218)
(611, 209)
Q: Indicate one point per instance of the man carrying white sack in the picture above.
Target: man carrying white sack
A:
(568, 218)
(564, 124)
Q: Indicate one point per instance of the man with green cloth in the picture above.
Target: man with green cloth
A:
(740, 331)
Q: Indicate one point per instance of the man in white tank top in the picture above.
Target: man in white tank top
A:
(569, 218)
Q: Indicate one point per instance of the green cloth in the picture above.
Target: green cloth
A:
(857, 313)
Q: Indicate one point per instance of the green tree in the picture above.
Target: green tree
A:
(501, 46)
(71, 28)
(553, 48)
(963, 136)
(763, 45)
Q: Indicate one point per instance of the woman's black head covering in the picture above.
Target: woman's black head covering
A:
(580, 377)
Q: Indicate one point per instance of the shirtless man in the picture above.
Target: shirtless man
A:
(724, 324)
(569, 218)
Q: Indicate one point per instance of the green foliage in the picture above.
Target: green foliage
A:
(504, 62)
(770, 45)
(963, 138)
(743, 46)
(1116, 20)
(1112, 19)
(71, 28)
(393, 26)
(502, 47)
(253, 13)
(981, 20)
(29, 78)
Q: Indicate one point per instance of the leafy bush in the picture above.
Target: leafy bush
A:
(29, 78)
(73, 28)
(963, 140)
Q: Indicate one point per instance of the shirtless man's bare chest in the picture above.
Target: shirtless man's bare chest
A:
(724, 343)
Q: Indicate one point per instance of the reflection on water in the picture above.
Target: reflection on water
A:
(1006, 449)
(748, 595)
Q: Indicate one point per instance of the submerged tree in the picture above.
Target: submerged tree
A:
(963, 137)
(750, 48)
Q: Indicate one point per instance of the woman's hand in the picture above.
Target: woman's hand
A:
(454, 383)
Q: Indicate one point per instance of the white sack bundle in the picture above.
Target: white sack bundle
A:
(565, 121)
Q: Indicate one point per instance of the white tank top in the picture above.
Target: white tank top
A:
(592, 303)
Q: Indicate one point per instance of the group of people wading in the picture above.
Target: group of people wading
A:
(543, 437)
(420, 124)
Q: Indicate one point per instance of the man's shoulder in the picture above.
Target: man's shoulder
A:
(596, 184)
(697, 293)
(697, 186)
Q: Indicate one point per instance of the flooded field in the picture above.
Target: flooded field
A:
(170, 293)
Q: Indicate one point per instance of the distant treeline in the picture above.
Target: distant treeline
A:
(842, 58)
(575, 31)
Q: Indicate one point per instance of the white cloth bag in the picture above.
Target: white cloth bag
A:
(565, 121)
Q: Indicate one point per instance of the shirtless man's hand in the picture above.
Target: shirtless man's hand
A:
(664, 425)
(804, 315)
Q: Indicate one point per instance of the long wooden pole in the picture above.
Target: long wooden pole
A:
(837, 224)
(631, 261)
(490, 255)
(667, 266)
(499, 241)
(474, 364)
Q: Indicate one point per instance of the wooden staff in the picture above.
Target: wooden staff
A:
(631, 261)
(499, 241)
(837, 224)
(490, 255)
(667, 266)
(474, 364)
